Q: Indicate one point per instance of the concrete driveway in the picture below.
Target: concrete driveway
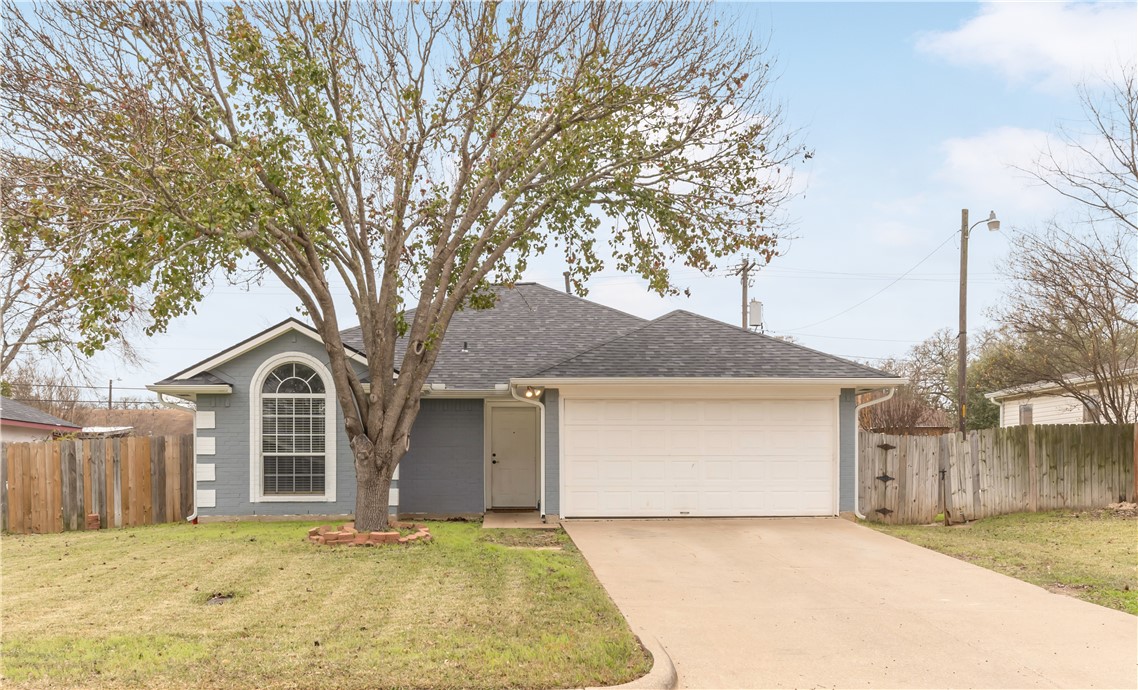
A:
(809, 603)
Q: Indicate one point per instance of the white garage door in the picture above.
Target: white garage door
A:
(656, 458)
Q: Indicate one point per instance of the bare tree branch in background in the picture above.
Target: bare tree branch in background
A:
(43, 389)
(1071, 316)
(1099, 168)
(907, 412)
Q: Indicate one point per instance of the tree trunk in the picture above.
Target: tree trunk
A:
(374, 467)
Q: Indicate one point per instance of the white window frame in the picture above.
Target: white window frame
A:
(256, 466)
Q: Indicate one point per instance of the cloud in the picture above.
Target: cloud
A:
(1052, 45)
(899, 222)
(983, 169)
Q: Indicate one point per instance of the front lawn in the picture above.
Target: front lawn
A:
(1090, 555)
(475, 608)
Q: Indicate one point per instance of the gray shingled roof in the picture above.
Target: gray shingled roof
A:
(14, 411)
(535, 330)
(530, 328)
(682, 344)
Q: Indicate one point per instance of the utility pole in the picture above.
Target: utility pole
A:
(744, 273)
(962, 339)
(110, 392)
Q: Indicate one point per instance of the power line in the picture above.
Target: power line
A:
(75, 385)
(897, 280)
(85, 402)
(850, 337)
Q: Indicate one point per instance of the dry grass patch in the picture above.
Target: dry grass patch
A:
(1089, 555)
(128, 608)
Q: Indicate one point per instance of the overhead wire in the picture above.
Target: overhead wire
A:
(891, 284)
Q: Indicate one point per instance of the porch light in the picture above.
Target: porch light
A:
(534, 391)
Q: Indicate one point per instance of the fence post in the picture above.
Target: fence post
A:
(1032, 462)
(1134, 463)
(4, 487)
(942, 469)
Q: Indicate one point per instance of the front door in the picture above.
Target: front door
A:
(513, 457)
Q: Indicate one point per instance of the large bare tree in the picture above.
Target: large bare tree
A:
(1071, 315)
(414, 153)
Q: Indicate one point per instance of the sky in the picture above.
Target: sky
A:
(914, 111)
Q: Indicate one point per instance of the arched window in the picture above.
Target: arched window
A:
(294, 433)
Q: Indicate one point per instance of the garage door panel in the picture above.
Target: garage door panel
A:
(684, 441)
(651, 469)
(682, 501)
(698, 457)
(583, 472)
(652, 412)
(684, 411)
(615, 469)
(683, 469)
(718, 468)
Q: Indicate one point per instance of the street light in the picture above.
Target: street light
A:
(962, 340)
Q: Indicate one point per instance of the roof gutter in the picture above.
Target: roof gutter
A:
(541, 443)
(182, 390)
(710, 380)
(857, 444)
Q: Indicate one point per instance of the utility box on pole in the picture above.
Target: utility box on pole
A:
(756, 315)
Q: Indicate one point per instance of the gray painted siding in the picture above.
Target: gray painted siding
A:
(443, 472)
(847, 437)
(552, 453)
(232, 440)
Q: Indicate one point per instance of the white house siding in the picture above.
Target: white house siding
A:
(1045, 409)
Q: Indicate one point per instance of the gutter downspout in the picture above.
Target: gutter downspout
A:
(192, 518)
(541, 443)
(857, 444)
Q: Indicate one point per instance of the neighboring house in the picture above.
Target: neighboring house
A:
(545, 402)
(1048, 404)
(20, 423)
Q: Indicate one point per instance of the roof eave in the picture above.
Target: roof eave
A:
(875, 382)
(66, 428)
(183, 390)
(255, 341)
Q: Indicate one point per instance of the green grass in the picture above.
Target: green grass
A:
(1092, 556)
(126, 608)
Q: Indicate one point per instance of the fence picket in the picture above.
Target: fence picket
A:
(996, 471)
(53, 485)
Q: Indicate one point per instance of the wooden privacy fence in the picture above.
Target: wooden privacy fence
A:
(913, 479)
(53, 486)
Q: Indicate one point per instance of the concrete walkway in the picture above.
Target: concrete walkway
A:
(809, 603)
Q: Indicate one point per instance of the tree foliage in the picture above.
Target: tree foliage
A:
(931, 393)
(413, 153)
(42, 317)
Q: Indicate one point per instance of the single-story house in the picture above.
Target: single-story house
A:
(1049, 403)
(545, 402)
(20, 423)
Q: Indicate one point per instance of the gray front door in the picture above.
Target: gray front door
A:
(513, 457)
